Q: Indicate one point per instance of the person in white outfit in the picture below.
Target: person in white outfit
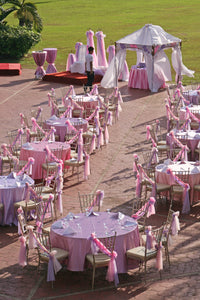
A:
(89, 69)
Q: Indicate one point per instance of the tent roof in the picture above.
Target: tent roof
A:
(149, 35)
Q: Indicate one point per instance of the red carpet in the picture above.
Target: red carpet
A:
(10, 69)
(70, 78)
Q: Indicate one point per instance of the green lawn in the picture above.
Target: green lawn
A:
(66, 22)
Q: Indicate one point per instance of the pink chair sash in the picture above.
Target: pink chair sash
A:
(53, 265)
(98, 199)
(22, 251)
(175, 223)
(27, 167)
(50, 135)
(112, 268)
(186, 202)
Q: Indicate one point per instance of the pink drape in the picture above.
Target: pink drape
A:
(111, 53)
(70, 60)
(101, 53)
(90, 43)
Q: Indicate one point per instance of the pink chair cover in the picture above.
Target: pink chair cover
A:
(70, 60)
(90, 43)
(111, 53)
(101, 53)
(77, 47)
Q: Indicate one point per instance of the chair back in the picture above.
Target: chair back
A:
(157, 237)
(183, 175)
(109, 242)
(44, 239)
(22, 223)
(86, 201)
(45, 212)
(138, 206)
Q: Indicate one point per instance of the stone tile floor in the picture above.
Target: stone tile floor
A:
(112, 172)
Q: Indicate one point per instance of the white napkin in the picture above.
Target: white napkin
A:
(70, 216)
(130, 223)
(57, 225)
(12, 175)
(195, 170)
(18, 183)
(27, 146)
(168, 161)
(69, 231)
(53, 118)
(91, 213)
(120, 216)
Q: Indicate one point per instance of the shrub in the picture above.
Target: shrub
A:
(16, 41)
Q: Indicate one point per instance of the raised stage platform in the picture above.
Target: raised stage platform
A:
(70, 78)
(9, 69)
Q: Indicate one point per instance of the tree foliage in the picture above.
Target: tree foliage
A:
(26, 12)
(16, 41)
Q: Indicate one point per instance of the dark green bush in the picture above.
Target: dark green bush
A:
(16, 41)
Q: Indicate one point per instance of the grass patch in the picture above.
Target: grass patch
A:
(66, 22)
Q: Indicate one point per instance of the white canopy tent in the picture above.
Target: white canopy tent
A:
(151, 40)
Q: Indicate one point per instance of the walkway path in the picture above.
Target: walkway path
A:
(111, 172)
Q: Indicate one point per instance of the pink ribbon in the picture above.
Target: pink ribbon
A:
(186, 187)
(27, 167)
(93, 144)
(175, 223)
(53, 266)
(98, 199)
(50, 135)
(87, 166)
(112, 268)
(70, 127)
(22, 251)
(94, 90)
(159, 258)
(67, 113)
(35, 126)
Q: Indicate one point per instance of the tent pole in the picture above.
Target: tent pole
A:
(115, 66)
(152, 74)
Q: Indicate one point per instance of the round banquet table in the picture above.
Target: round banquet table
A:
(190, 137)
(39, 58)
(50, 58)
(194, 176)
(78, 243)
(138, 78)
(61, 127)
(88, 102)
(12, 189)
(36, 150)
(192, 95)
(195, 109)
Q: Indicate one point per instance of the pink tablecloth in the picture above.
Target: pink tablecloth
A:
(12, 190)
(36, 150)
(61, 127)
(192, 95)
(88, 102)
(194, 177)
(191, 138)
(138, 78)
(195, 109)
(78, 244)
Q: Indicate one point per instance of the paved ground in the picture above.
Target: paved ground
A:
(111, 172)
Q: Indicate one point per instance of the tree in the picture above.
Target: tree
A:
(26, 12)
